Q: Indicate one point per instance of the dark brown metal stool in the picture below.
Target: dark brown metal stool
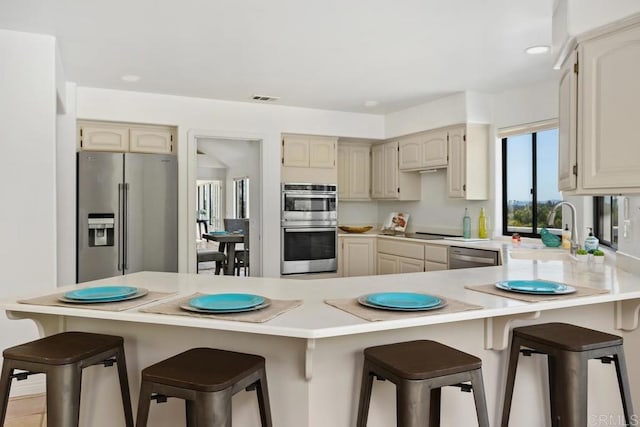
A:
(62, 358)
(206, 379)
(419, 369)
(569, 349)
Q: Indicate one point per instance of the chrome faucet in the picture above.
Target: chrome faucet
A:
(574, 223)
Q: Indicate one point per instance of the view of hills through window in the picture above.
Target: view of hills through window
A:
(531, 182)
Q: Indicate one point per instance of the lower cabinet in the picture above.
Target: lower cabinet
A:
(358, 256)
(436, 257)
(400, 257)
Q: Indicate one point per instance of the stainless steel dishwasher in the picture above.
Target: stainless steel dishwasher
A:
(469, 258)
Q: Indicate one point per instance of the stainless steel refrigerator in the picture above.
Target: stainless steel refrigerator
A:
(127, 214)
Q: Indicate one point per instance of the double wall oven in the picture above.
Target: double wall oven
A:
(309, 219)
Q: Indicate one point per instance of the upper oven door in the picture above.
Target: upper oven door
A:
(309, 206)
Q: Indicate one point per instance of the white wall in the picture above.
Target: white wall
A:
(629, 245)
(441, 112)
(27, 173)
(225, 118)
(66, 188)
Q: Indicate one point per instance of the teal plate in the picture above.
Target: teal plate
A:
(363, 301)
(140, 292)
(403, 300)
(536, 287)
(226, 301)
(266, 303)
(101, 293)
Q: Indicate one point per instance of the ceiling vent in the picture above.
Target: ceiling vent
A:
(264, 98)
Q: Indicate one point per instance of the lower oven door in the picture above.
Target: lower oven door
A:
(309, 250)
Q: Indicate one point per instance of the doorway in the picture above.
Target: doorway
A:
(227, 185)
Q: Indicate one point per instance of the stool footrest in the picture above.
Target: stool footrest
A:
(20, 376)
(463, 387)
(159, 398)
(528, 352)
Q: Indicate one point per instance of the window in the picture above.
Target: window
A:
(209, 203)
(530, 181)
(605, 220)
(241, 197)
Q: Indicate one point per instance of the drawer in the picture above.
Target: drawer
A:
(404, 249)
(436, 253)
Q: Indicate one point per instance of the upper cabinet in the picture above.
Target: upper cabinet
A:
(307, 158)
(387, 181)
(426, 150)
(468, 170)
(354, 171)
(122, 137)
(599, 110)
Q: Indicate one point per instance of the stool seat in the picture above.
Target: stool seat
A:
(419, 369)
(568, 349)
(203, 369)
(567, 337)
(62, 358)
(206, 378)
(64, 348)
(418, 360)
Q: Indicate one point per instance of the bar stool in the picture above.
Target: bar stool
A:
(568, 349)
(419, 369)
(62, 357)
(206, 379)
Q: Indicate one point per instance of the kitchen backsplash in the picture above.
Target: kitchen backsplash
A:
(435, 212)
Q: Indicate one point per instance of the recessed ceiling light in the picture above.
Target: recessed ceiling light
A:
(371, 104)
(130, 78)
(536, 50)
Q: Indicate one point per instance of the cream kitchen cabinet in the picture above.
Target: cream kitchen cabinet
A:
(606, 110)
(468, 170)
(354, 171)
(358, 256)
(395, 256)
(122, 137)
(436, 257)
(309, 158)
(426, 150)
(150, 140)
(387, 181)
(103, 137)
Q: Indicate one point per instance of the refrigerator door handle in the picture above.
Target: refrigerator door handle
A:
(125, 227)
(120, 220)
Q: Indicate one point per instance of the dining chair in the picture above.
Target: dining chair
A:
(242, 255)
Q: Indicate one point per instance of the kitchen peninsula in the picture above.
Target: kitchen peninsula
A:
(314, 351)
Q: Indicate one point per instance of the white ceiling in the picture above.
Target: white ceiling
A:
(330, 54)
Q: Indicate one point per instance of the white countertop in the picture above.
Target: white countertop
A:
(491, 245)
(315, 319)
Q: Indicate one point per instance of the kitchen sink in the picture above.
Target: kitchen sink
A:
(541, 254)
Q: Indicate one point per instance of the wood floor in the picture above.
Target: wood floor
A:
(26, 411)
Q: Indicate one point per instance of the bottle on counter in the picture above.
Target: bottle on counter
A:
(482, 225)
(466, 224)
(566, 237)
(591, 243)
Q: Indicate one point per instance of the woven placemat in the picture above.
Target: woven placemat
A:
(352, 306)
(53, 300)
(581, 291)
(276, 308)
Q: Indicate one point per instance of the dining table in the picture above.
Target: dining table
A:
(227, 243)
